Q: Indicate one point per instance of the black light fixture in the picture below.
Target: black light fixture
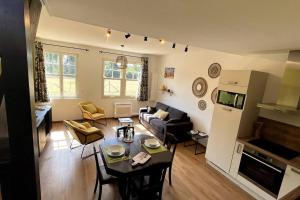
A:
(186, 48)
(108, 33)
(174, 45)
(122, 45)
(145, 38)
(127, 35)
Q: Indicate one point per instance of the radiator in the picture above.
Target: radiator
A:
(123, 110)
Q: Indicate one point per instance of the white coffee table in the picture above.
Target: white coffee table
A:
(125, 120)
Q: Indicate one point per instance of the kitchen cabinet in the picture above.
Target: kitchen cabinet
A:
(236, 159)
(291, 180)
(235, 77)
(228, 123)
(43, 124)
(223, 136)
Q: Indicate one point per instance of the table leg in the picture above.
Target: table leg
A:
(188, 145)
(124, 188)
(196, 148)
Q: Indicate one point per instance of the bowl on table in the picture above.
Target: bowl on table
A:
(115, 150)
(152, 143)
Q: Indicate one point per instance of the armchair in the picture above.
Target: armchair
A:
(84, 133)
(92, 112)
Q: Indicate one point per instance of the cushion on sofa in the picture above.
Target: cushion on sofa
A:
(176, 114)
(158, 124)
(161, 106)
(151, 110)
(148, 117)
(161, 114)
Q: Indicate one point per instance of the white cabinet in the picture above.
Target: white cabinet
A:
(291, 180)
(236, 159)
(221, 141)
(229, 123)
(235, 77)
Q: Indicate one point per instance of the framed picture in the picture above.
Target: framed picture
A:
(169, 72)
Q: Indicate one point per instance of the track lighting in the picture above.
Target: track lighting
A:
(108, 33)
(161, 41)
(127, 35)
(145, 39)
(174, 45)
(186, 48)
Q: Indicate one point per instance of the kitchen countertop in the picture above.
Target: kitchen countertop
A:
(295, 162)
(40, 112)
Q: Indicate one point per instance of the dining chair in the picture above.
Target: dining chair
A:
(102, 177)
(149, 184)
(171, 144)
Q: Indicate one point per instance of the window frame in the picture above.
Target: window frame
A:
(61, 74)
(122, 80)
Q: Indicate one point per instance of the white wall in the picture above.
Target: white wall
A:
(89, 82)
(189, 66)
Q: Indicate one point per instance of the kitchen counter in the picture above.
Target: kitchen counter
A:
(295, 162)
(40, 113)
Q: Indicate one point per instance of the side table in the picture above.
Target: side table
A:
(198, 141)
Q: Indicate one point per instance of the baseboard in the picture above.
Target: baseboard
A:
(243, 187)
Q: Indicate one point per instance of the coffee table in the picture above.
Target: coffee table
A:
(198, 141)
(125, 120)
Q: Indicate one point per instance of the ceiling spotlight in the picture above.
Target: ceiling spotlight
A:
(161, 41)
(145, 39)
(127, 35)
(122, 45)
(108, 33)
(174, 45)
(186, 48)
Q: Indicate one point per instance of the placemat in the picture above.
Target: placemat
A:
(111, 160)
(153, 151)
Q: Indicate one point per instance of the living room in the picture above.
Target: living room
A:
(208, 85)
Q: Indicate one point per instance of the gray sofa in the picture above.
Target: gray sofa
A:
(176, 123)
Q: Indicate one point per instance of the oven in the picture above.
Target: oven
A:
(263, 171)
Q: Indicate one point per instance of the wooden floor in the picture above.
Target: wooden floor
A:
(64, 175)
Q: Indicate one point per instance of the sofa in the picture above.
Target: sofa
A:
(177, 122)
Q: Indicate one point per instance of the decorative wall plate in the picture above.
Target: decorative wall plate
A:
(214, 70)
(199, 87)
(202, 105)
(214, 95)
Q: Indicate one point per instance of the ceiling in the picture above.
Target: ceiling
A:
(63, 30)
(237, 26)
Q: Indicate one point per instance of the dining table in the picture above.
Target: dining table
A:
(122, 168)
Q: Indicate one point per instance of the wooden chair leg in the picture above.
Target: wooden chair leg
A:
(96, 184)
(100, 192)
(170, 176)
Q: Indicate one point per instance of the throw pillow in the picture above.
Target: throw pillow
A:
(90, 108)
(161, 114)
(151, 110)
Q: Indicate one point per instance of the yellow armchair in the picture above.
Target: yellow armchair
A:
(92, 112)
(84, 133)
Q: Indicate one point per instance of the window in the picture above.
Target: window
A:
(121, 82)
(61, 70)
(133, 73)
(112, 79)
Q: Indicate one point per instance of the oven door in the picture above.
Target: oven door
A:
(264, 175)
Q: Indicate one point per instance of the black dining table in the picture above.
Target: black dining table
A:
(123, 169)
